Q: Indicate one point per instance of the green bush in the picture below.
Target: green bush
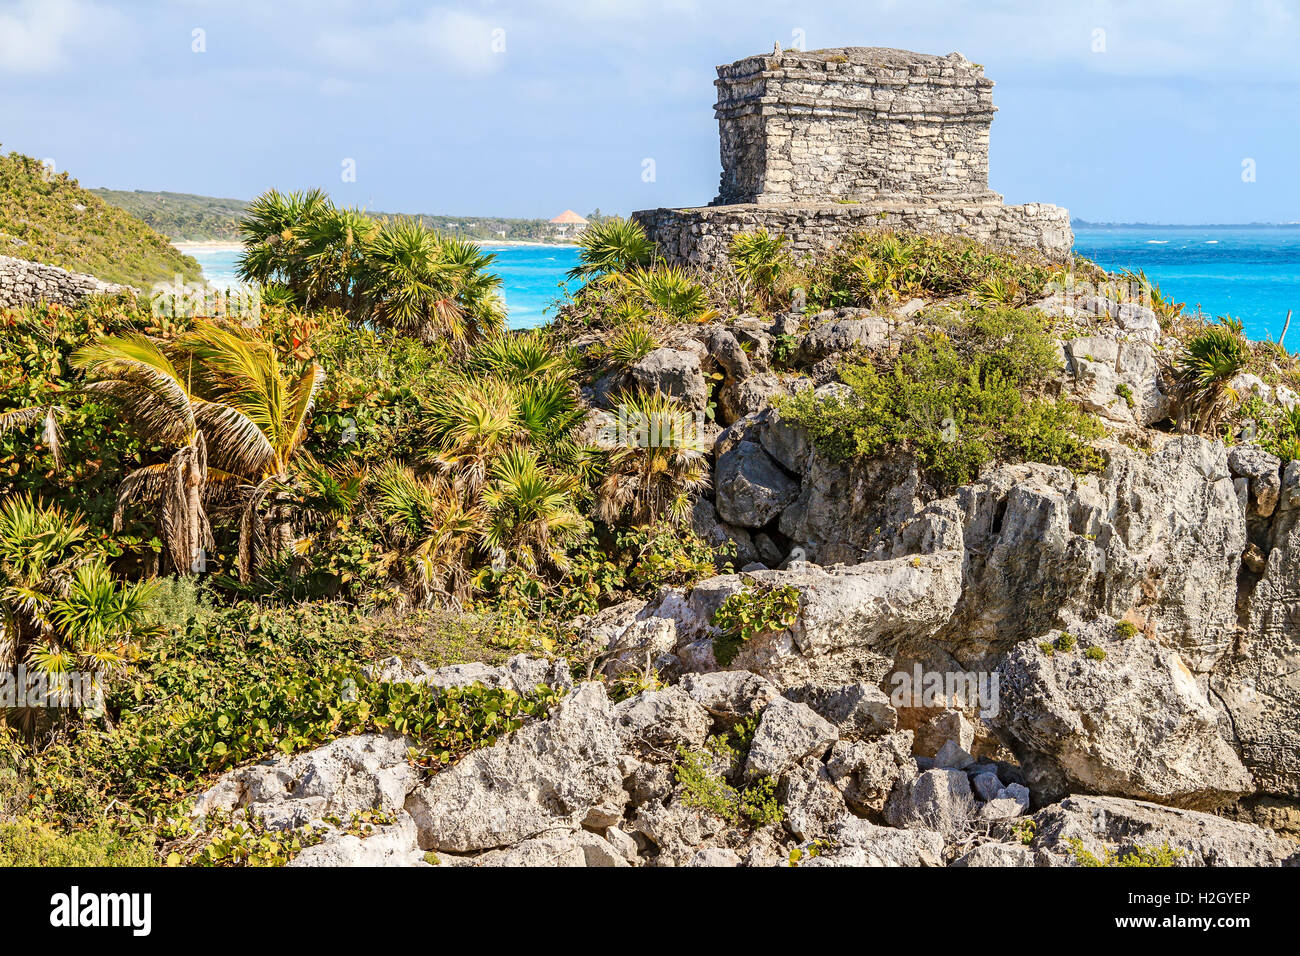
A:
(882, 267)
(1138, 856)
(26, 842)
(956, 401)
(752, 611)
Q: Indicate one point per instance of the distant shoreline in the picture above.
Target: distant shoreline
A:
(1088, 224)
(226, 245)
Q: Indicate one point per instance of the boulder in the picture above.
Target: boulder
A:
(340, 778)
(1124, 825)
(867, 771)
(1134, 724)
(832, 333)
(547, 775)
(997, 854)
(786, 734)
(1156, 539)
(674, 372)
(934, 800)
(730, 696)
(813, 804)
(861, 843)
(654, 723)
(857, 710)
(751, 489)
(389, 845)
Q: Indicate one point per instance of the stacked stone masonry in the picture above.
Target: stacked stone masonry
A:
(27, 283)
(820, 145)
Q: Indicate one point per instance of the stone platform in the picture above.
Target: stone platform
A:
(701, 236)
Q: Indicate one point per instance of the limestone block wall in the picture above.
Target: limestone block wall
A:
(701, 236)
(26, 283)
(853, 124)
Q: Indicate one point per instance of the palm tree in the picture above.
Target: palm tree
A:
(333, 244)
(411, 286)
(479, 291)
(433, 530)
(611, 247)
(48, 416)
(656, 463)
(530, 511)
(272, 235)
(237, 405)
(135, 373)
(62, 608)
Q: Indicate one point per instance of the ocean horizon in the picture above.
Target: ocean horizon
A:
(1249, 272)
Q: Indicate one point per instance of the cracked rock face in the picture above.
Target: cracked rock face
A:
(546, 775)
(1202, 838)
(1259, 683)
(1134, 724)
(345, 776)
(1157, 539)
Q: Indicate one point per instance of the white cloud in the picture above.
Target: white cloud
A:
(39, 36)
(442, 39)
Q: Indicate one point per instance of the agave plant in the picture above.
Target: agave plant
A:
(656, 463)
(1203, 373)
(760, 258)
(612, 247)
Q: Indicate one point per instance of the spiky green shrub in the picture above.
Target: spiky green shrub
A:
(611, 247)
(1203, 372)
(760, 260)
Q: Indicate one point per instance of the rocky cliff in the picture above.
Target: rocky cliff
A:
(1034, 668)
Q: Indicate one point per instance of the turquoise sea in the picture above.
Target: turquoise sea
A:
(1249, 272)
(531, 276)
(1252, 273)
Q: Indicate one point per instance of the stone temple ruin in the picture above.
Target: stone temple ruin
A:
(819, 145)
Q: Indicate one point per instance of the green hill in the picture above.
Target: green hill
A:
(185, 216)
(50, 218)
(181, 216)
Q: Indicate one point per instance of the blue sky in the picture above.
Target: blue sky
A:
(525, 108)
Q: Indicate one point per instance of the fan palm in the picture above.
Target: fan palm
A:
(433, 530)
(611, 247)
(272, 234)
(62, 608)
(409, 285)
(656, 465)
(333, 247)
(530, 511)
